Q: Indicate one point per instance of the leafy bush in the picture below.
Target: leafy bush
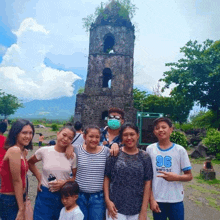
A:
(205, 119)
(179, 138)
(212, 141)
(54, 127)
(187, 126)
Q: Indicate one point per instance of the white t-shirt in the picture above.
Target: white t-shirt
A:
(75, 214)
(78, 140)
(54, 163)
(174, 159)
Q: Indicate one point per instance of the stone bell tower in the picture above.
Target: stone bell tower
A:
(109, 80)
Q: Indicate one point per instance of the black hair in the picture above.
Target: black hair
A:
(15, 130)
(78, 125)
(86, 131)
(128, 125)
(40, 134)
(117, 110)
(52, 142)
(164, 119)
(71, 128)
(3, 127)
(69, 189)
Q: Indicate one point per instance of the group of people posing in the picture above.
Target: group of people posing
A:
(103, 175)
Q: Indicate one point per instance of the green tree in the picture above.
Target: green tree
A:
(177, 108)
(139, 99)
(127, 10)
(81, 90)
(197, 75)
(8, 104)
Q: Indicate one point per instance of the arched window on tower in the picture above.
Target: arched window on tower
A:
(107, 78)
(109, 42)
(105, 115)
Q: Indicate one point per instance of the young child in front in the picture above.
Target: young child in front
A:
(69, 195)
(169, 160)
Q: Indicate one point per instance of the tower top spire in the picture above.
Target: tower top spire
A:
(114, 14)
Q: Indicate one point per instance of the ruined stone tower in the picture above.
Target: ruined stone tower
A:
(109, 80)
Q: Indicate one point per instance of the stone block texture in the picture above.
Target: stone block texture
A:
(109, 80)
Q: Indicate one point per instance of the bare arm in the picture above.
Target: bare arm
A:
(146, 197)
(153, 203)
(14, 156)
(112, 211)
(169, 176)
(114, 149)
(34, 170)
(69, 152)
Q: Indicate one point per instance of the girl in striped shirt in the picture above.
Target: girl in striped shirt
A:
(90, 174)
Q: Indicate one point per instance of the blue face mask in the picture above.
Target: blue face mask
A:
(114, 124)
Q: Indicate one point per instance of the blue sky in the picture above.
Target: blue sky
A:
(44, 49)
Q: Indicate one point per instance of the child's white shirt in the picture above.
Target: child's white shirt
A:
(174, 159)
(75, 214)
(54, 163)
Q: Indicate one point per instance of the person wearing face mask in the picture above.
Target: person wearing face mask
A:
(110, 135)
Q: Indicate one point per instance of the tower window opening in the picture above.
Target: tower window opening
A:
(107, 77)
(105, 115)
(109, 42)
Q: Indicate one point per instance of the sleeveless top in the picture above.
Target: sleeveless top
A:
(6, 177)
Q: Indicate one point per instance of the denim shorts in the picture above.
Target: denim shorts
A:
(47, 205)
(8, 206)
(92, 205)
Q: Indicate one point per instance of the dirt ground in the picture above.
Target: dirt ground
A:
(202, 201)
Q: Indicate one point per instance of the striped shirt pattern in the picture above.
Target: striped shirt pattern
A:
(90, 169)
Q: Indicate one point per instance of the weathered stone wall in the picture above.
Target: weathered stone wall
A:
(92, 107)
(97, 99)
(122, 71)
(124, 40)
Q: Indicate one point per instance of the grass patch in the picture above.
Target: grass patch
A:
(202, 160)
(213, 203)
(198, 202)
(215, 182)
(204, 190)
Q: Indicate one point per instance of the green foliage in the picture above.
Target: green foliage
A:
(212, 141)
(139, 99)
(179, 138)
(197, 75)
(205, 119)
(209, 182)
(71, 120)
(54, 127)
(187, 126)
(81, 90)
(8, 104)
(127, 9)
(218, 156)
(176, 109)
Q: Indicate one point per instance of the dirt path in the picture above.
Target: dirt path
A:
(202, 201)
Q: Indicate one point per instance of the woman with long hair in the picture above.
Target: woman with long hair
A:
(55, 173)
(13, 170)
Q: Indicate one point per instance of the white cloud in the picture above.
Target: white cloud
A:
(2, 50)
(23, 71)
(29, 24)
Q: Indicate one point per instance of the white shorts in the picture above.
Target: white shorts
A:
(123, 217)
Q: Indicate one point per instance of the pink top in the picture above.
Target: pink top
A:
(7, 184)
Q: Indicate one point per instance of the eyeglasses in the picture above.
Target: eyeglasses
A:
(114, 117)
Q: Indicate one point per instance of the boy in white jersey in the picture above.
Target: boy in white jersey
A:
(168, 161)
(69, 194)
